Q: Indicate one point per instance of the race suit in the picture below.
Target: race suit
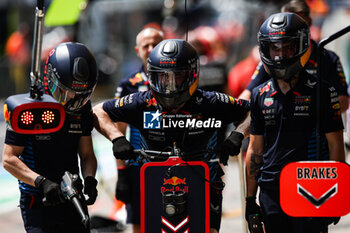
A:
(209, 111)
(288, 123)
(50, 155)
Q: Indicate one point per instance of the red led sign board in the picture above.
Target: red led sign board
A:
(315, 189)
(30, 116)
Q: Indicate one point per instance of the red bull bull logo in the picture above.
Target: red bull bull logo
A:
(174, 181)
(136, 79)
(266, 88)
(177, 184)
(151, 102)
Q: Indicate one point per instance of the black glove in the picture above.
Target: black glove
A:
(123, 188)
(122, 148)
(231, 146)
(90, 190)
(52, 192)
(331, 220)
(251, 208)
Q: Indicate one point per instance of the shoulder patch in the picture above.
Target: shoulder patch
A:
(266, 88)
(125, 100)
(136, 79)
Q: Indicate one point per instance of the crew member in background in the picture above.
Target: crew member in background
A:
(333, 70)
(127, 189)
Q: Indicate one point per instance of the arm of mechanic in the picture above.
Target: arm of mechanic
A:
(15, 166)
(104, 124)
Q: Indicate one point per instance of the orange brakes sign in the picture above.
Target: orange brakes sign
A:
(315, 189)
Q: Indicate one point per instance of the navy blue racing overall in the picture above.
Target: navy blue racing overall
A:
(50, 155)
(288, 123)
(194, 127)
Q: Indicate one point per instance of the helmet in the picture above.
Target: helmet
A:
(173, 72)
(71, 75)
(284, 44)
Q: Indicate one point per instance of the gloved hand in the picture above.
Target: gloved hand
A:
(52, 192)
(231, 146)
(90, 190)
(331, 220)
(251, 208)
(123, 188)
(122, 148)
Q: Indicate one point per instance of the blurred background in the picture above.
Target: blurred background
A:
(224, 32)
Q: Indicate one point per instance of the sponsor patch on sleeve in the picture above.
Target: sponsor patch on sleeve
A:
(124, 101)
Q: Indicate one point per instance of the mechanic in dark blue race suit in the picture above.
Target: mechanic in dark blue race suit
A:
(333, 70)
(39, 161)
(127, 188)
(283, 122)
(170, 110)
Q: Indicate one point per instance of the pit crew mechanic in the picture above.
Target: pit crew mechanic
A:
(333, 70)
(283, 122)
(173, 70)
(127, 188)
(39, 161)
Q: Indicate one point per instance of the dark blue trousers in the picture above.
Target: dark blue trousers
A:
(38, 218)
